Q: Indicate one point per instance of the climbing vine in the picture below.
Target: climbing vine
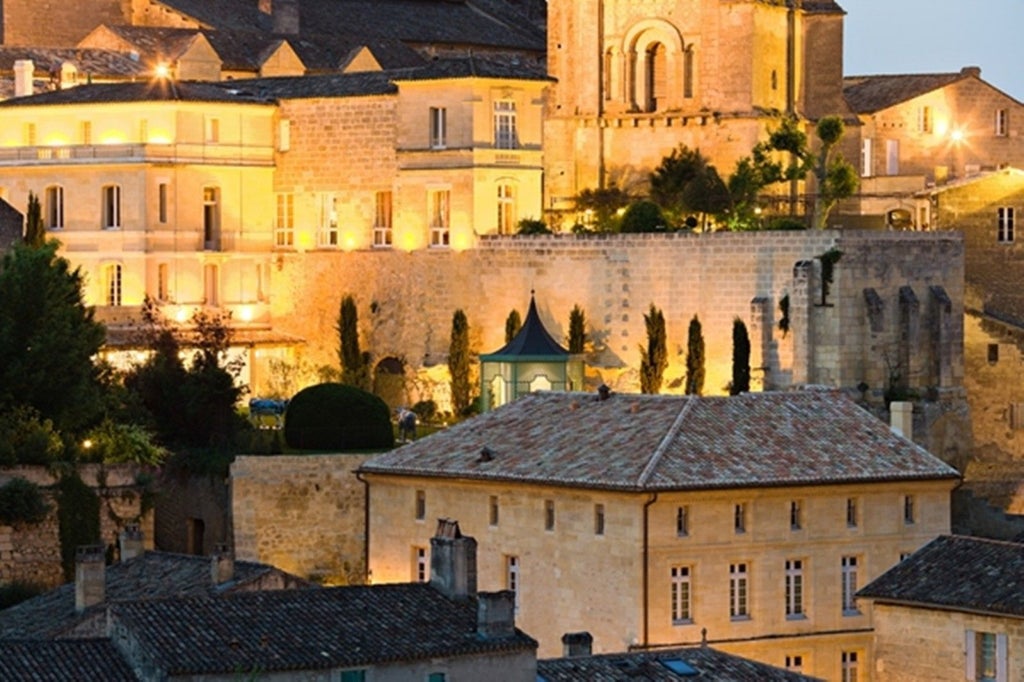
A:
(828, 262)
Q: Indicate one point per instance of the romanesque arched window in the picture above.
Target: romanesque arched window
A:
(657, 77)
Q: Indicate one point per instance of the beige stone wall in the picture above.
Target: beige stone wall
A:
(58, 24)
(302, 514)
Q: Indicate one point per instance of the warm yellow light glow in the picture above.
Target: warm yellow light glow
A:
(941, 127)
(408, 242)
(303, 241)
(162, 70)
(349, 242)
(460, 242)
(957, 135)
(86, 443)
(159, 137)
(181, 316)
(112, 137)
(245, 313)
(55, 140)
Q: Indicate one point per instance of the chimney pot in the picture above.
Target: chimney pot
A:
(24, 77)
(901, 418)
(222, 564)
(453, 561)
(496, 614)
(577, 644)
(90, 576)
(131, 542)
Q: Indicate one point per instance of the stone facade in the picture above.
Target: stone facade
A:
(193, 514)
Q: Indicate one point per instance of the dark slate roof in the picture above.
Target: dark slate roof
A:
(84, 659)
(156, 42)
(308, 629)
(708, 663)
(156, 89)
(105, 63)
(331, 52)
(822, 7)
(957, 573)
(868, 94)
(532, 341)
(151, 575)
(644, 442)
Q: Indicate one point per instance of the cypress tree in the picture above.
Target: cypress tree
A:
(577, 333)
(353, 361)
(653, 359)
(512, 325)
(694, 358)
(458, 362)
(35, 232)
(740, 358)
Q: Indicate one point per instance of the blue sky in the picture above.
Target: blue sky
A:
(937, 36)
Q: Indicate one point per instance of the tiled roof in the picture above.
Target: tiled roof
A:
(151, 575)
(331, 52)
(822, 7)
(157, 42)
(650, 666)
(642, 442)
(144, 91)
(105, 63)
(308, 629)
(958, 573)
(868, 94)
(84, 659)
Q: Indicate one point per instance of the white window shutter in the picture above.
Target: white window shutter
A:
(972, 656)
(1002, 672)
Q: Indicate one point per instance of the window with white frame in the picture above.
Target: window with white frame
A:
(112, 284)
(738, 586)
(866, 158)
(852, 517)
(382, 219)
(439, 207)
(598, 519)
(284, 220)
(682, 521)
(419, 558)
(111, 217)
(681, 612)
(211, 218)
(986, 657)
(512, 577)
(506, 209)
(850, 667)
(849, 567)
(794, 588)
(892, 157)
(438, 127)
(1002, 122)
(796, 519)
(925, 119)
(327, 220)
(53, 201)
(505, 136)
(1004, 224)
(739, 517)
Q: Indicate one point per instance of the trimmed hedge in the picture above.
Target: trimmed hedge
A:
(337, 417)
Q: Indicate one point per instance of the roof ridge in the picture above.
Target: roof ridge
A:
(663, 445)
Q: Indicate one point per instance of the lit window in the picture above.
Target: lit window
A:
(925, 122)
(382, 219)
(161, 192)
(419, 557)
(1002, 122)
(851, 512)
(681, 595)
(212, 129)
(688, 74)
(682, 521)
(549, 515)
(284, 222)
(505, 136)
(421, 505)
(506, 209)
(494, 509)
(795, 516)
(738, 583)
(327, 228)
(739, 520)
(656, 66)
(849, 564)
(439, 216)
(438, 127)
(54, 207)
(866, 158)
(908, 509)
(795, 663)
(112, 284)
(850, 672)
(794, 588)
(512, 577)
(111, 207)
(598, 519)
(211, 218)
(162, 284)
(30, 134)
(1004, 224)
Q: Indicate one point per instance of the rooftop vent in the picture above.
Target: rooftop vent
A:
(486, 454)
(603, 392)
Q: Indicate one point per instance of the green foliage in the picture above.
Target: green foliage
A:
(458, 362)
(785, 223)
(828, 263)
(337, 417)
(27, 438)
(355, 369)
(643, 216)
(694, 358)
(685, 183)
(426, 410)
(740, 358)
(600, 208)
(21, 501)
(513, 323)
(654, 358)
(115, 443)
(78, 515)
(18, 591)
(35, 231)
(577, 330)
(784, 315)
(48, 339)
(533, 226)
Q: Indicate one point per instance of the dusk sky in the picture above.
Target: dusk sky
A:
(937, 36)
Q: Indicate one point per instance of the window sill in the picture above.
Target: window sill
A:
(850, 613)
(796, 616)
(687, 621)
(739, 619)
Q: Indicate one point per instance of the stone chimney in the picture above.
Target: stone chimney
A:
(577, 644)
(284, 15)
(901, 418)
(496, 614)
(452, 561)
(24, 76)
(971, 71)
(222, 564)
(90, 576)
(130, 542)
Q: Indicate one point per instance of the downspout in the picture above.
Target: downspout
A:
(366, 527)
(646, 568)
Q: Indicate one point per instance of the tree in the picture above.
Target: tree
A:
(653, 359)
(643, 216)
(602, 206)
(685, 183)
(694, 358)
(35, 231)
(48, 339)
(740, 358)
(512, 325)
(458, 362)
(577, 333)
(354, 363)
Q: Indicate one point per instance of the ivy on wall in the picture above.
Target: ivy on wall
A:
(78, 515)
(21, 501)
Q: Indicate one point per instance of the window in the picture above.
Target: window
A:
(738, 591)
(506, 209)
(211, 284)
(908, 509)
(598, 519)
(739, 520)
(438, 128)
(512, 577)
(382, 219)
(892, 157)
(161, 282)
(795, 663)
(419, 566)
(925, 121)
(993, 353)
(681, 595)
(849, 564)
(439, 216)
(111, 207)
(794, 588)
(436, 677)
(851, 512)
(30, 134)
(327, 223)
(688, 74)
(212, 129)
(1002, 122)
(112, 284)
(850, 672)
(284, 221)
(86, 132)
(986, 659)
(795, 516)
(1004, 224)
(655, 62)
(865, 158)
(682, 521)
(505, 136)
(211, 218)
(54, 207)
(493, 514)
(421, 505)
(549, 514)
(161, 194)
(353, 676)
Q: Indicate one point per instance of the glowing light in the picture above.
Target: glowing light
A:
(87, 443)
(350, 242)
(303, 241)
(408, 242)
(957, 135)
(181, 316)
(162, 70)
(245, 313)
(112, 137)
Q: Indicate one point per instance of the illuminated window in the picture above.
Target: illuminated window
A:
(419, 557)
(505, 136)
(111, 206)
(284, 222)
(794, 588)
(682, 521)
(438, 127)
(1002, 122)
(440, 233)
(506, 209)
(30, 134)
(211, 218)
(211, 284)
(925, 120)
(598, 519)
(112, 284)
(681, 595)
(1004, 224)
(212, 129)
(327, 228)
(86, 131)
(738, 585)
(161, 194)
(849, 565)
(54, 207)
(382, 219)
(850, 671)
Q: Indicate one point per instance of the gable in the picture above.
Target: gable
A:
(361, 60)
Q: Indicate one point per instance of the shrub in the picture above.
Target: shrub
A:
(426, 410)
(643, 216)
(786, 223)
(533, 226)
(27, 438)
(337, 417)
(21, 501)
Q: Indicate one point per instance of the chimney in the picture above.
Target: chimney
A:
(901, 418)
(130, 542)
(971, 71)
(24, 75)
(222, 564)
(90, 576)
(284, 15)
(496, 614)
(577, 644)
(452, 561)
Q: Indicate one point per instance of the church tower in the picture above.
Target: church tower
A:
(637, 78)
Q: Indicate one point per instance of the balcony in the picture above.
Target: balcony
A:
(476, 157)
(86, 154)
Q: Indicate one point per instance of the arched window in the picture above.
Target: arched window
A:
(54, 207)
(657, 77)
(688, 73)
(607, 74)
(112, 284)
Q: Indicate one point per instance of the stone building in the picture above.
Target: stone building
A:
(648, 520)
